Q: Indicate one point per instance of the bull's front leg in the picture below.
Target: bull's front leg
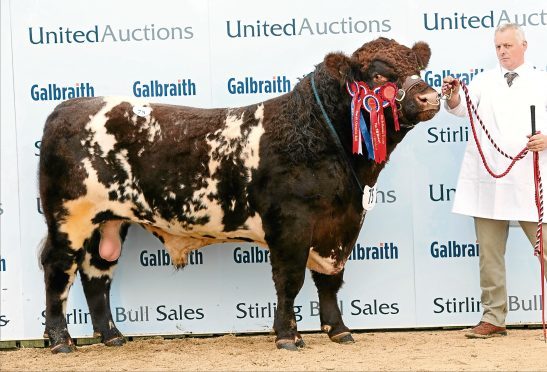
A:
(288, 269)
(329, 311)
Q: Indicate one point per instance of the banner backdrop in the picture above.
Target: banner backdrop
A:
(11, 302)
(207, 47)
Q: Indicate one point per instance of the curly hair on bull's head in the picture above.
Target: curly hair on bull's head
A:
(404, 60)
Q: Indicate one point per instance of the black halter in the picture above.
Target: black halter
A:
(409, 84)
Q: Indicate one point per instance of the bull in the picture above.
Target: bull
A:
(280, 173)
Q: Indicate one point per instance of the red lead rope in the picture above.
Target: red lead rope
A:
(538, 247)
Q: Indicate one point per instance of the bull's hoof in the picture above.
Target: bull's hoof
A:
(63, 348)
(111, 337)
(287, 345)
(299, 341)
(116, 341)
(343, 338)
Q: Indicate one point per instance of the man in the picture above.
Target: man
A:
(503, 97)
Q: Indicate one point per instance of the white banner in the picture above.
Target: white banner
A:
(11, 304)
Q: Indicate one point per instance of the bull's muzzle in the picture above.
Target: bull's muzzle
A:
(429, 97)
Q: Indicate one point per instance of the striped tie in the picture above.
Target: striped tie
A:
(510, 76)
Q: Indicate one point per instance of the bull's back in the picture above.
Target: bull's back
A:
(175, 167)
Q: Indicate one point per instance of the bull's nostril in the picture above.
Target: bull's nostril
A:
(432, 99)
(435, 102)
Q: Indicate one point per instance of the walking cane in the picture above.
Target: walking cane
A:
(539, 235)
(533, 118)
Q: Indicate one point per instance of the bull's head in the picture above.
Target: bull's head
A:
(385, 60)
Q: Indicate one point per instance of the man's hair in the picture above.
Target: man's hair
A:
(512, 26)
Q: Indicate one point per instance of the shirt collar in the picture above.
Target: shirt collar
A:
(519, 70)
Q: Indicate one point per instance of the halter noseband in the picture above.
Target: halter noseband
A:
(409, 83)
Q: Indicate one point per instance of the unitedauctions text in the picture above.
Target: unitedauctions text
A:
(108, 33)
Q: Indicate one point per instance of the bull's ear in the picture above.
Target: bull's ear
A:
(339, 65)
(423, 52)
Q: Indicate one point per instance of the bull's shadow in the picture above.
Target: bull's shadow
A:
(281, 173)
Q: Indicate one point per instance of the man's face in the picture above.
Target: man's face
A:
(509, 49)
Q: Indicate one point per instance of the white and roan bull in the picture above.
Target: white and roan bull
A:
(270, 173)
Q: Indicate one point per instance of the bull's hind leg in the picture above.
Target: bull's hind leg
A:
(329, 312)
(96, 274)
(289, 269)
(60, 263)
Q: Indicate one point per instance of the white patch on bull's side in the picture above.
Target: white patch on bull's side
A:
(77, 223)
(323, 265)
(96, 125)
(224, 143)
(150, 125)
(232, 128)
(121, 156)
(153, 128)
(254, 224)
(92, 272)
(130, 182)
(250, 153)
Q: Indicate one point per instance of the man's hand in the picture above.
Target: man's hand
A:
(537, 142)
(451, 87)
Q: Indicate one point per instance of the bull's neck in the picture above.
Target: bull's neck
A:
(367, 170)
(335, 111)
(333, 102)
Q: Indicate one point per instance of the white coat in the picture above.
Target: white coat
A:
(505, 111)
